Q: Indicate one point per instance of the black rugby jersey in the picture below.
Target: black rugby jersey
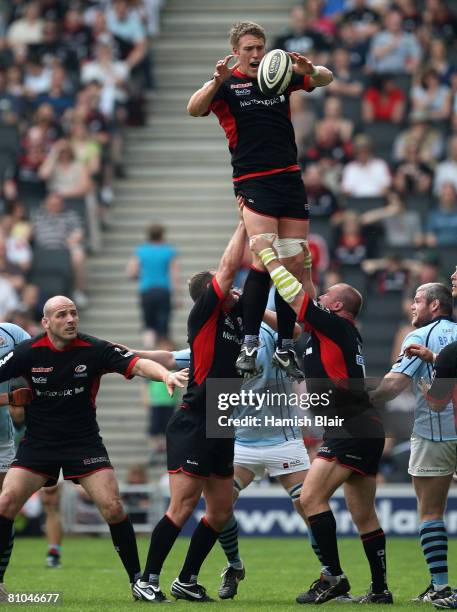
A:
(64, 384)
(444, 385)
(215, 336)
(333, 361)
(260, 134)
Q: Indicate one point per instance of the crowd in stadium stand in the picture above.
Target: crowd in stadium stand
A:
(72, 76)
(378, 146)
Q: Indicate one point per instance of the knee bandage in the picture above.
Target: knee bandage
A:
(289, 247)
(294, 491)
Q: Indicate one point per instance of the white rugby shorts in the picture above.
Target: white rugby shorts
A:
(430, 458)
(277, 459)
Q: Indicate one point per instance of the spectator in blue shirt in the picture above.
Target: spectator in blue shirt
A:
(155, 265)
(442, 221)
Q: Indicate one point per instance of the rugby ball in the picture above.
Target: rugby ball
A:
(275, 72)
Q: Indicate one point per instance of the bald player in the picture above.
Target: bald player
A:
(64, 368)
(354, 436)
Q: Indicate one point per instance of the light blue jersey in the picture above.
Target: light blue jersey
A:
(436, 335)
(271, 379)
(10, 336)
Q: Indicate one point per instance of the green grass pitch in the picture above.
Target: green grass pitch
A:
(92, 578)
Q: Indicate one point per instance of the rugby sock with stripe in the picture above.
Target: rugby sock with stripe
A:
(286, 323)
(323, 526)
(162, 539)
(433, 537)
(201, 543)
(255, 298)
(317, 552)
(5, 558)
(228, 539)
(374, 544)
(124, 541)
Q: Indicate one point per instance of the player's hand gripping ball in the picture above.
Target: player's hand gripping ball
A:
(275, 72)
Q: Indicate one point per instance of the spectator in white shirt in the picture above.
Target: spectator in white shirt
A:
(446, 171)
(27, 30)
(366, 176)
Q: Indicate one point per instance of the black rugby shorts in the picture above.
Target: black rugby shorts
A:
(361, 456)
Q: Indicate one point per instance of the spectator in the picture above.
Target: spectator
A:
(412, 176)
(392, 49)
(391, 273)
(440, 20)
(64, 174)
(321, 259)
(12, 106)
(439, 60)
(52, 50)
(344, 83)
(111, 74)
(333, 118)
(410, 14)
(351, 247)
(9, 302)
(301, 37)
(431, 96)
(37, 77)
(322, 201)
(446, 171)
(429, 139)
(383, 100)
(18, 230)
(442, 221)
(9, 270)
(60, 92)
(76, 36)
(356, 48)
(85, 147)
(317, 20)
(401, 227)
(366, 176)
(54, 227)
(29, 185)
(129, 32)
(45, 119)
(155, 265)
(28, 29)
(160, 407)
(137, 502)
(365, 20)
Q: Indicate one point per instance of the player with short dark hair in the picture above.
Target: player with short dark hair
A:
(64, 368)
(197, 464)
(266, 175)
(351, 450)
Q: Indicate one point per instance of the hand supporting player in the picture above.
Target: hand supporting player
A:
(20, 397)
(259, 242)
(176, 379)
(223, 71)
(418, 350)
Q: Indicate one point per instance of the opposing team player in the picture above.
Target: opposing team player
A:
(350, 454)
(265, 174)
(64, 368)
(433, 440)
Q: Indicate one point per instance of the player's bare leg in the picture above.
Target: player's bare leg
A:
(234, 572)
(103, 489)
(255, 293)
(431, 493)
(50, 497)
(360, 492)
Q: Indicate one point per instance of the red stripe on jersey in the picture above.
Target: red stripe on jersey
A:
(222, 111)
(128, 371)
(304, 306)
(95, 387)
(46, 341)
(332, 358)
(203, 345)
(292, 168)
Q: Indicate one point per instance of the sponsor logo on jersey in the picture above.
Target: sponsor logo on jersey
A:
(231, 337)
(241, 85)
(91, 460)
(63, 393)
(191, 462)
(39, 380)
(38, 369)
(79, 390)
(80, 368)
(242, 92)
(265, 102)
(229, 322)
(123, 352)
(6, 358)
(360, 360)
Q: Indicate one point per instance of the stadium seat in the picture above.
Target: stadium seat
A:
(355, 276)
(421, 203)
(52, 272)
(9, 139)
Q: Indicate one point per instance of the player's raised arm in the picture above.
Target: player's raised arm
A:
(154, 371)
(231, 259)
(200, 101)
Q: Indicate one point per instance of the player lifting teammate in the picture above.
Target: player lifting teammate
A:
(265, 175)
